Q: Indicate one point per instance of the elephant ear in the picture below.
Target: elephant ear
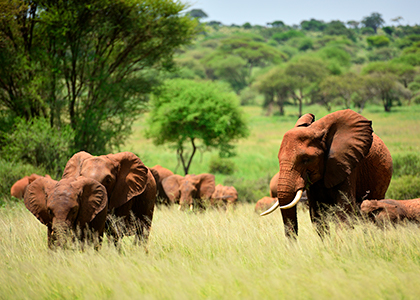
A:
(36, 198)
(171, 187)
(155, 174)
(305, 120)
(92, 200)
(131, 178)
(207, 185)
(74, 165)
(348, 137)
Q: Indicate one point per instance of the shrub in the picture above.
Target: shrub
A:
(250, 190)
(38, 144)
(284, 36)
(407, 164)
(378, 41)
(222, 165)
(404, 187)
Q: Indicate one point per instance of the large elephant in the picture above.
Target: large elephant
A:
(392, 210)
(69, 204)
(337, 159)
(19, 187)
(224, 196)
(184, 190)
(160, 173)
(130, 186)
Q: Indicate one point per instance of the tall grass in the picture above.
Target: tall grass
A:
(235, 255)
(213, 255)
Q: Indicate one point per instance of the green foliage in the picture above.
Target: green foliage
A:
(186, 111)
(284, 36)
(220, 165)
(367, 31)
(312, 25)
(335, 54)
(38, 144)
(381, 54)
(373, 21)
(12, 171)
(406, 164)
(87, 63)
(404, 187)
(338, 28)
(378, 41)
(305, 44)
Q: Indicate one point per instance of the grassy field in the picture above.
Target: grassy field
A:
(218, 255)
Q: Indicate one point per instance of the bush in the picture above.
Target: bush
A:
(10, 172)
(38, 144)
(404, 187)
(222, 165)
(378, 41)
(407, 164)
(250, 190)
(248, 96)
(284, 36)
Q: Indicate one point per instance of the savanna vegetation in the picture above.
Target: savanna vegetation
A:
(72, 80)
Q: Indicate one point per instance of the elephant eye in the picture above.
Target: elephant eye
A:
(49, 211)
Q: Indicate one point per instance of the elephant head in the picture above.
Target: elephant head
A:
(160, 173)
(19, 187)
(333, 158)
(67, 205)
(185, 189)
(123, 174)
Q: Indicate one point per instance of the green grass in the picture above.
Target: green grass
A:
(213, 255)
(217, 255)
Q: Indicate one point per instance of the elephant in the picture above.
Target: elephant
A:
(338, 160)
(264, 203)
(224, 196)
(184, 190)
(70, 204)
(160, 173)
(392, 210)
(130, 186)
(19, 187)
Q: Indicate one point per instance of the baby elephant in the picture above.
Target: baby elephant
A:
(18, 189)
(224, 196)
(393, 210)
(69, 206)
(264, 203)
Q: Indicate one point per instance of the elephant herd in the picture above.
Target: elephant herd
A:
(335, 163)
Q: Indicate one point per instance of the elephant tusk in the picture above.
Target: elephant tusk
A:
(294, 202)
(179, 207)
(290, 205)
(191, 207)
(273, 208)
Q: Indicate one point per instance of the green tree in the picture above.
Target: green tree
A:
(373, 21)
(378, 41)
(312, 25)
(88, 63)
(190, 114)
(343, 86)
(235, 58)
(275, 87)
(198, 13)
(304, 76)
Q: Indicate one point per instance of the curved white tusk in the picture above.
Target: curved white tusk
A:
(273, 208)
(191, 207)
(290, 205)
(179, 207)
(294, 202)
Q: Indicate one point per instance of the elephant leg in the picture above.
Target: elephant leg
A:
(143, 208)
(290, 222)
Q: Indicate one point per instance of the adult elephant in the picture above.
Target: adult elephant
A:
(337, 159)
(184, 190)
(19, 187)
(130, 186)
(160, 173)
(225, 196)
(70, 204)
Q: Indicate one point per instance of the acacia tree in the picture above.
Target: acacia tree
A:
(189, 115)
(304, 76)
(87, 63)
